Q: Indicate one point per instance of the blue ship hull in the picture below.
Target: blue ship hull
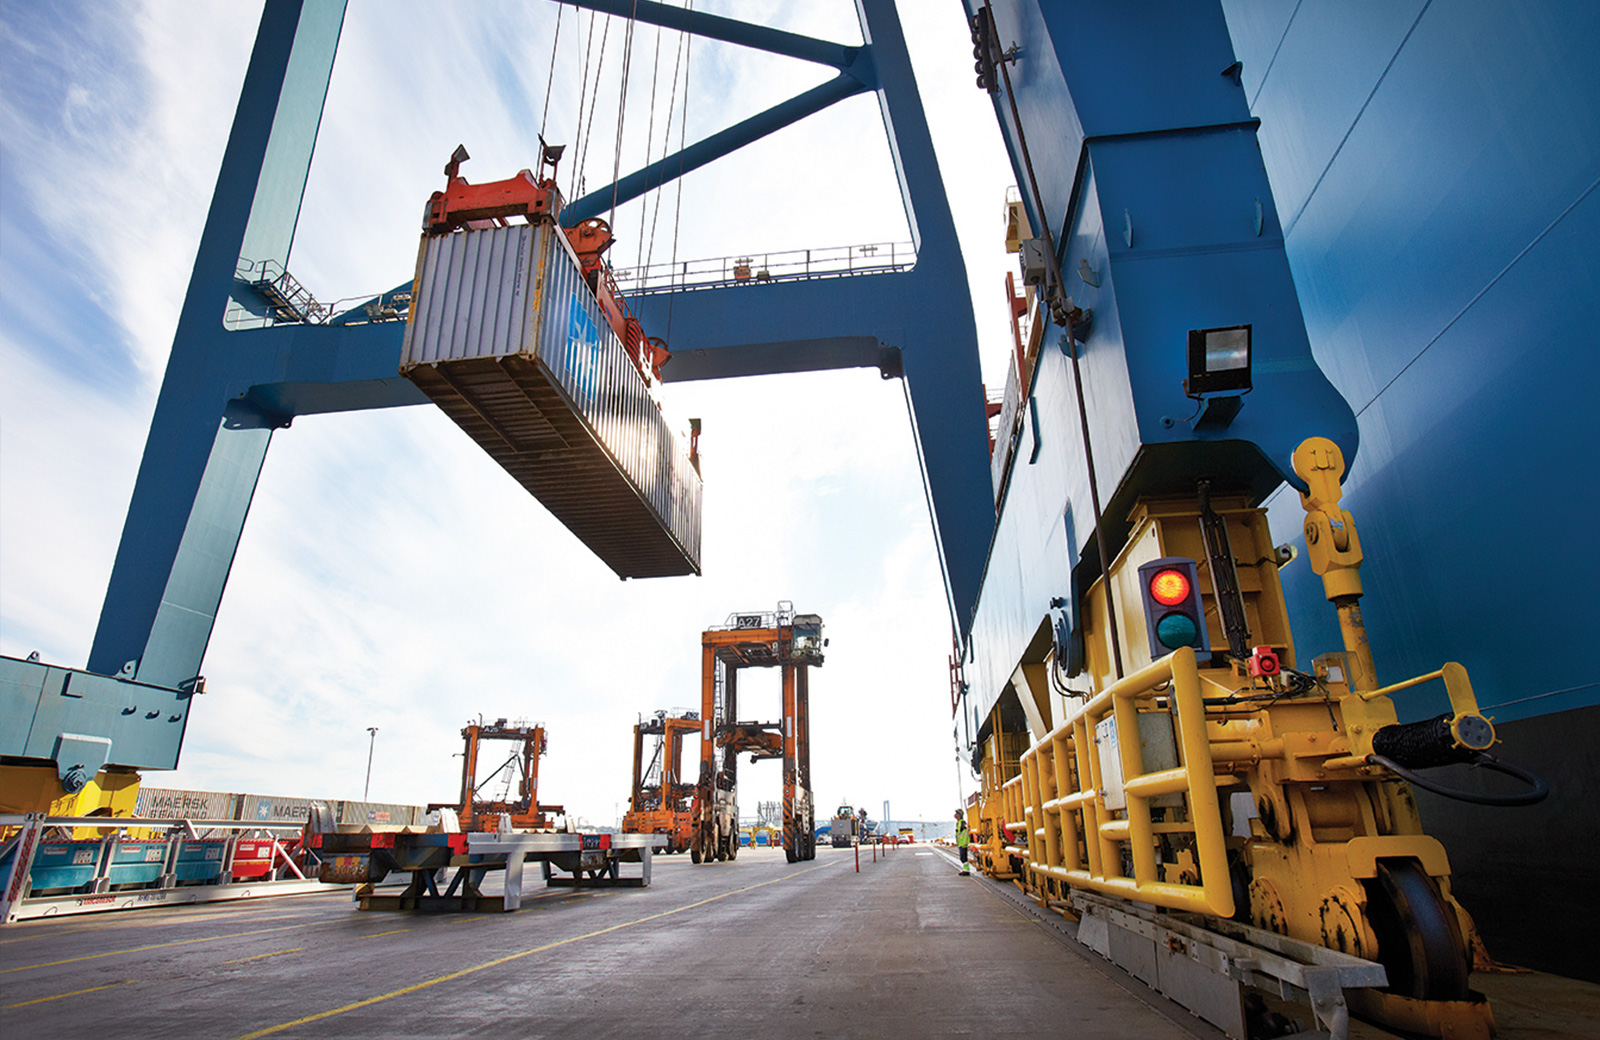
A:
(1435, 167)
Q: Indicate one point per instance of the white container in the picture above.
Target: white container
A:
(265, 808)
(163, 803)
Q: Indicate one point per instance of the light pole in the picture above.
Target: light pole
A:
(372, 741)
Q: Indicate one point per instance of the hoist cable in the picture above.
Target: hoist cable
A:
(666, 142)
(622, 109)
(594, 102)
(683, 138)
(649, 146)
(583, 96)
(549, 83)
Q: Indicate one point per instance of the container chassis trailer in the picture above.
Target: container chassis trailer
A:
(367, 859)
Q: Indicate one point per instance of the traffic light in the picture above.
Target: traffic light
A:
(1170, 590)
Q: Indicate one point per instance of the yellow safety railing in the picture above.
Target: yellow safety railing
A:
(1074, 837)
(1013, 807)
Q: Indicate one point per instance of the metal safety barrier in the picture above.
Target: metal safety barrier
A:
(1085, 803)
(119, 871)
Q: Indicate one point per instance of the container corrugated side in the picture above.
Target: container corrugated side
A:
(163, 803)
(586, 360)
(473, 296)
(506, 337)
(263, 808)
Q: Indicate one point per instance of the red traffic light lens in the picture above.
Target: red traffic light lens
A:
(1169, 587)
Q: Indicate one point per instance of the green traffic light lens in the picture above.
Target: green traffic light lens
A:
(1175, 630)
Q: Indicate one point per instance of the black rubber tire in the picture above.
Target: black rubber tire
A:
(1419, 936)
(790, 854)
(694, 854)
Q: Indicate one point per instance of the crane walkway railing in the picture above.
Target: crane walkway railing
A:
(761, 268)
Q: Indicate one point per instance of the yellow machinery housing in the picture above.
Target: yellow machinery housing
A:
(1189, 784)
(114, 791)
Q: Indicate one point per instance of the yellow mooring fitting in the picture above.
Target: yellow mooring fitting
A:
(1335, 551)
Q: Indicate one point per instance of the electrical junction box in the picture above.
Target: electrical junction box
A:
(1035, 260)
(1158, 745)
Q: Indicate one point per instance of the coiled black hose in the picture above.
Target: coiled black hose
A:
(1538, 788)
(1421, 745)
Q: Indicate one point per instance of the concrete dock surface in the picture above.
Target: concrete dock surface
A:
(752, 948)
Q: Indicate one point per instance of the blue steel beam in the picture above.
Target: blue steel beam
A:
(792, 355)
(714, 147)
(199, 468)
(728, 30)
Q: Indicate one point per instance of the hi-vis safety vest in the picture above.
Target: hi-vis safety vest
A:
(963, 836)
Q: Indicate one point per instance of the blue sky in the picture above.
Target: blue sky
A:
(390, 573)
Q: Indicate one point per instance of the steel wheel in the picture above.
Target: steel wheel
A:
(1419, 938)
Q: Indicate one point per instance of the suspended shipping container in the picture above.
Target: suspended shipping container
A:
(506, 337)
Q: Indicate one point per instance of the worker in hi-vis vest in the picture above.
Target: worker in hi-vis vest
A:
(963, 839)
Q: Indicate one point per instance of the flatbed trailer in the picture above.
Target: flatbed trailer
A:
(366, 859)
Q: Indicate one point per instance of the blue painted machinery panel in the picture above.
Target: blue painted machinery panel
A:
(1435, 166)
(1138, 165)
(84, 722)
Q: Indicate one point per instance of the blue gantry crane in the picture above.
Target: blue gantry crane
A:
(244, 363)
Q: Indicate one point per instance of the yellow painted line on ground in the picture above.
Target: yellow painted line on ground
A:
(464, 972)
(261, 956)
(74, 993)
(152, 946)
(379, 935)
